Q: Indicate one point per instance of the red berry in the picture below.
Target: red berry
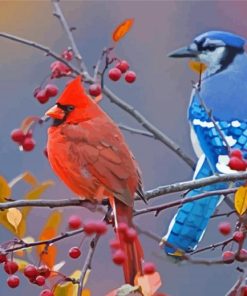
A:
(17, 135)
(237, 164)
(36, 91)
(236, 153)
(42, 96)
(3, 258)
(90, 227)
(244, 291)
(114, 244)
(10, 267)
(74, 222)
(114, 74)
(119, 257)
(130, 235)
(40, 280)
(46, 292)
(51, 90)
(123, 66)
(242, 255)
(224, 228)
(238, 236)
(149, 268)
(13, 281)
(59, 69)
(68, 55)
(228, 256)
(28, 144)
(101, 227)
(94, 89)
(74, 252)
(44, 271)
(122, 227)
(30, 271)
(29, 134)
(130, 76)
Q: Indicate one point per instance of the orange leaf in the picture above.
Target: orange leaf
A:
(48, 256)
(28, 122)
(122, 29)
(197, 66)
(149, 283)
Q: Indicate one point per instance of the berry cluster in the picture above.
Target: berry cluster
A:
(36, 275)
(129, 235)
(237, 162)
(122, 67)
(44, 94)
(25, 141)
(59, 69)
(90, 228)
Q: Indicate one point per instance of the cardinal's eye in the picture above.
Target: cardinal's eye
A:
(70, 108)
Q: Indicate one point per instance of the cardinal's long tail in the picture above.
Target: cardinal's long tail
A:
(130, 244)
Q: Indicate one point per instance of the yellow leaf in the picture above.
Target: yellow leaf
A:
(5, 190)
(5, 223)
(27, 177)
(197, 66)
(21, 264)
(122, 29)
(14, 217)
(28, 122)
(65, 289)
(149, 283)
(240, 200)
(35, 194)
(49, 231)
(86, 277)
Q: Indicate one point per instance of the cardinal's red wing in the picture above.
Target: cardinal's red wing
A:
(105, 155)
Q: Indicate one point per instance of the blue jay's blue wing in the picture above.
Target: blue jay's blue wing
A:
(226, 95)
(189, 224)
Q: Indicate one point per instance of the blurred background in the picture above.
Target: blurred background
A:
(161, 93)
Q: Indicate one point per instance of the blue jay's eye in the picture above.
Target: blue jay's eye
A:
(210, 47)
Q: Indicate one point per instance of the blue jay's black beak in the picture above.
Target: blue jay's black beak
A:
(184, 52)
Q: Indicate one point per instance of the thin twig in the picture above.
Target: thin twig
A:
(135, 131)
(88, 263)
(43, 48)
(24, 245)
(59, 14)
(158, 134)
(213, 246)
(157, 209)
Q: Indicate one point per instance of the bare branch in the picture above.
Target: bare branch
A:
(59, 14)
(23, 245)
(88, 263)
(148, 126)
(135, 131)
(43, 48)
(157, 209)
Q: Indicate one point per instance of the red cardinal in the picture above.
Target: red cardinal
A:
(88, 152)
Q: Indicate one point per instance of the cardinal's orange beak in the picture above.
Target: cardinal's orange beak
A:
(55, 112)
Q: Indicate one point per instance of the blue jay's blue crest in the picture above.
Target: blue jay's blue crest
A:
(223, 91)
(229, 39)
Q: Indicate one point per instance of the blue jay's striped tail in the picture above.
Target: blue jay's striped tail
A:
(189, 224)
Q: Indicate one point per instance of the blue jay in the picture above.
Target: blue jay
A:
(223, 90)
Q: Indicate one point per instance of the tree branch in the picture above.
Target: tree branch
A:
(87, 265)
(59, 14)
(135, 131)
(157, 209)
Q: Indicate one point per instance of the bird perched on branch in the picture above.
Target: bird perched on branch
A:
(88, 152)
(218, 120)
